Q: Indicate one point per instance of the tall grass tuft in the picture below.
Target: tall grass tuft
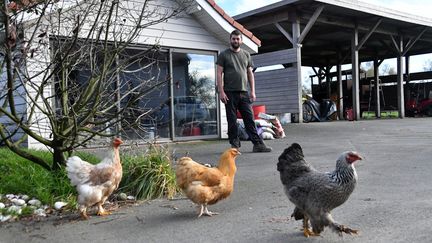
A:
(149, 175)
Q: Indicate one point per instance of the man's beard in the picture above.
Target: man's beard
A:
(235, 45)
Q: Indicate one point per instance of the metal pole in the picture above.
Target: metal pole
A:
(355, 73)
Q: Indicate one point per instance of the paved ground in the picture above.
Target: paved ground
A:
(392, 203)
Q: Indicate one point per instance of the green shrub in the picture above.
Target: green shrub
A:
(149, 175)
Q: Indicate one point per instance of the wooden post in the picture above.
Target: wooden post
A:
(355, 73)
(340, 91)
(400, 79)
(297, 47)
(312, 88)
(328, 81)
(408, 79)
(377, 90)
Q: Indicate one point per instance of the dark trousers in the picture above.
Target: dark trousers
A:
(240, 100)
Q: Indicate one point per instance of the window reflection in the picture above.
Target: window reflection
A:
(194, 95)
(149, 71)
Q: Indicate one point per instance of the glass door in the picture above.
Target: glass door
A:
(194, 94)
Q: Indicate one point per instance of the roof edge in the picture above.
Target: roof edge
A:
(264, 8)
(234, 23)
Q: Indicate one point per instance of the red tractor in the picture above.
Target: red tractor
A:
(415, 107)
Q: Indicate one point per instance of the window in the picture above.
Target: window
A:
(194, 92)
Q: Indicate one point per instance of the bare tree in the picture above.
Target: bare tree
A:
(387, 70)
(64, 65)
(427, 65)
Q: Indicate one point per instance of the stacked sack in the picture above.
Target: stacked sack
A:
(272, 122)
(268, 127)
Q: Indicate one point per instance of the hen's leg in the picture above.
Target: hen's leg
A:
(200, 210)
(340, 228)
(203, 210)
(208, 213)
(306, 230)
(83, 212)
(101, 210)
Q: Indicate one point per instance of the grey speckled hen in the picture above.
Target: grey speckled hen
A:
(316, 193)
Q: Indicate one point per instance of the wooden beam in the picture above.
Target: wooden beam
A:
(284, 32)
(345, 23)
(396, 45)
(345, 57)
(371, 31)
(389, 47)
(340, 22)
(310, 23)
(391, 78)
(268, 19)
(411, 43)
(318, 73)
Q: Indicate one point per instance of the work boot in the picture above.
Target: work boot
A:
(236, 144)
(259, 148)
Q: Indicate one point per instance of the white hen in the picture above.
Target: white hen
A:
(95, 183)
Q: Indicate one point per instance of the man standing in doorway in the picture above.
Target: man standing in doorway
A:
(234, 70)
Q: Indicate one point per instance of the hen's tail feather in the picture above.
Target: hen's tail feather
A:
(292, 165)
(293, 153)
(78, 170)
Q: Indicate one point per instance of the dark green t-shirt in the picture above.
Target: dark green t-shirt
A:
(235, 65)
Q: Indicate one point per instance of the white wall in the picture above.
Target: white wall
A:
(36, 68)
(183, 31)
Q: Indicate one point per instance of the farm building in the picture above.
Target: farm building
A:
(321, 34)
(188, 36)
(326, 34)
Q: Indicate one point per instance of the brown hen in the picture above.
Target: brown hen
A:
(206, 186)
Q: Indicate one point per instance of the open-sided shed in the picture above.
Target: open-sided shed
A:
(329, 33)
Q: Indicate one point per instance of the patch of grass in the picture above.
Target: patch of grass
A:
(146, 176)
(149, 175)
(20, 176)
(26, 211)
(3, 211)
